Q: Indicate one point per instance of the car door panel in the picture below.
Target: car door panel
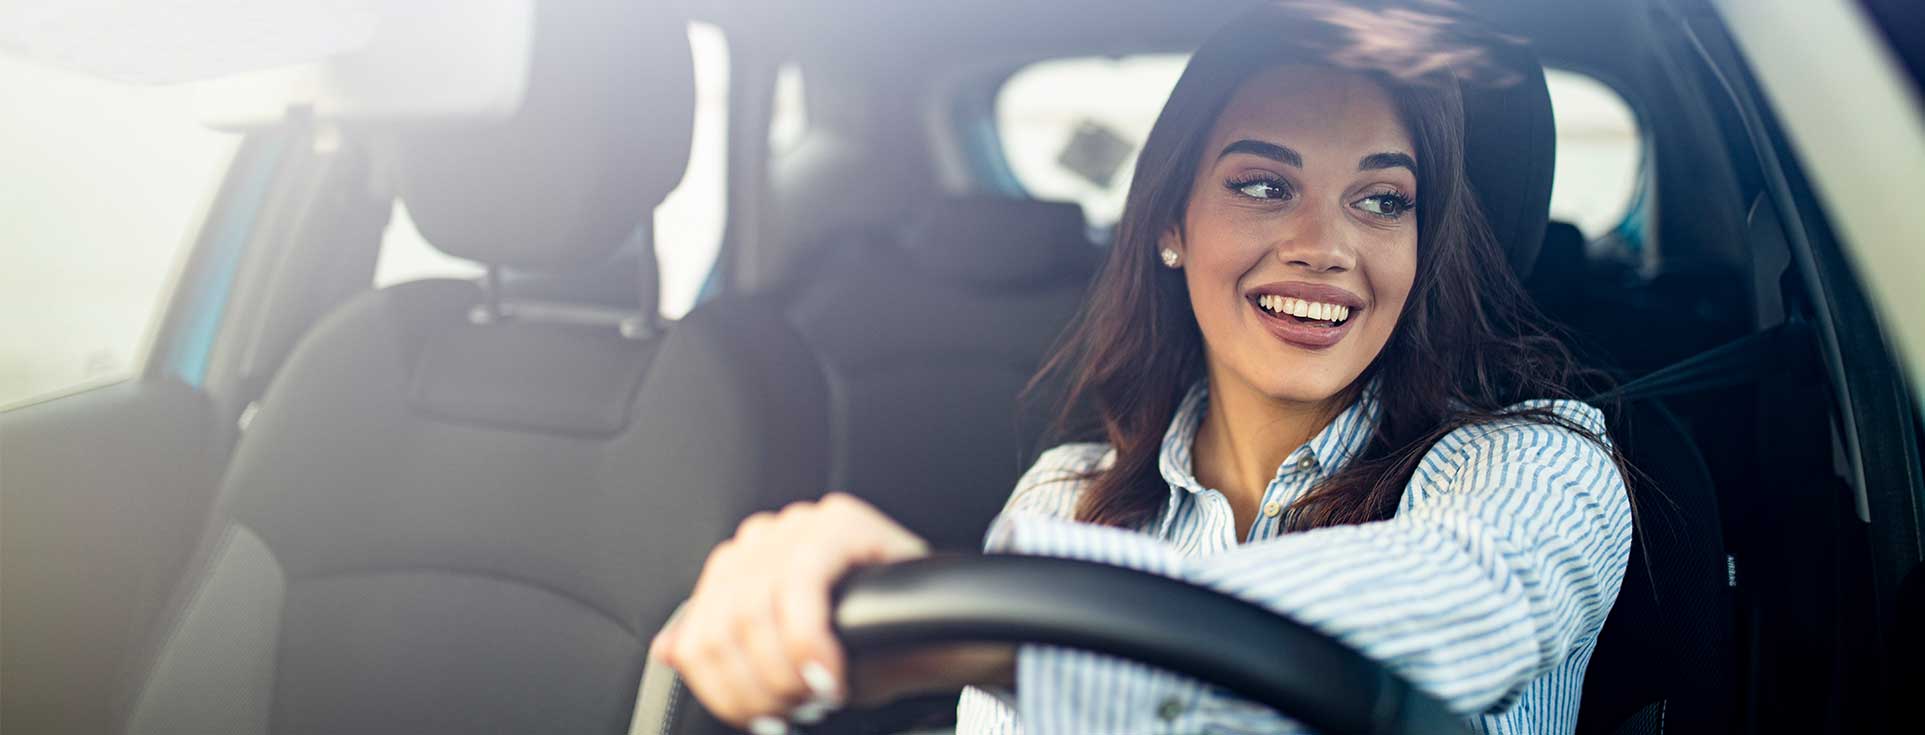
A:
(102, 495)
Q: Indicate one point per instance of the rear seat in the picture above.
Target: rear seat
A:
(926, 346)
(923, 343)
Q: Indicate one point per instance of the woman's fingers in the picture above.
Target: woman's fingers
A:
(873, 537)
(709, 648)
(802, 624)
(757, 631)
(754, 641)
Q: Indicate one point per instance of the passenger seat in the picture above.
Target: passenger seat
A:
(443, 517)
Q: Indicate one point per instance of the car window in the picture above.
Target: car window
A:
(103, 182)
(1069, 130)
(688, 224)
(1600, 153)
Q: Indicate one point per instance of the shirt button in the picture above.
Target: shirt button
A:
(1307, 463)
(1272, 508)
(1170, 709)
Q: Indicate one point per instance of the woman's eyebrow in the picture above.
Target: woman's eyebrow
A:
(1376, 161)
(1272, 151)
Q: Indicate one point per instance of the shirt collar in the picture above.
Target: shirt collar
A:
(1330, 449)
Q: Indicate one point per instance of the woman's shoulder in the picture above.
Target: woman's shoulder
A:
(1052, 484)
(1564, 432)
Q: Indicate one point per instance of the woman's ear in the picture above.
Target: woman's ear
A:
(1169, 247)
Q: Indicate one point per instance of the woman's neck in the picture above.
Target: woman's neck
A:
(1244, 437)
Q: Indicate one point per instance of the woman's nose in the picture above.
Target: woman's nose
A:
(1317, 243)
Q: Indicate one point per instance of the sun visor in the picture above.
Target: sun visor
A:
(249, 61)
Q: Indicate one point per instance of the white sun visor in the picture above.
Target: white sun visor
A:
(249, 61)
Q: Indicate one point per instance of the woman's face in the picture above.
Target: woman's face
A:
(1299, 241)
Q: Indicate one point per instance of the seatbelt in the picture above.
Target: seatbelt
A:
(1783, 349)
(660, 696)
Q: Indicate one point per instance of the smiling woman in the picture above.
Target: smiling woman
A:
(1321, 388)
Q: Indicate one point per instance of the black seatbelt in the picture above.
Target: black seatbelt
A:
(1783, 349)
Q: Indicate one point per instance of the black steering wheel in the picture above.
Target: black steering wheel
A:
(1259, 655)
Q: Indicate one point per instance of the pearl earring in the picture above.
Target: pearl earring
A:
(1171, 258)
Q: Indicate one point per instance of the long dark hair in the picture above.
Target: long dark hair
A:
(1468, 344)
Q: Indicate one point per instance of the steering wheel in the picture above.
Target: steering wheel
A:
(1244, 648)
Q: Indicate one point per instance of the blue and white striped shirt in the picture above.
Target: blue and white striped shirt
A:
(1487, 588)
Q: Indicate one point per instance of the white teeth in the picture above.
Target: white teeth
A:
(1306, 309)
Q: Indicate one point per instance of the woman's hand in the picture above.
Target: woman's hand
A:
(754, 642)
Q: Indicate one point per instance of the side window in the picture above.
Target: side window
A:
(1600, 154)
(1070, 130)
(103, 182)
(688, 224)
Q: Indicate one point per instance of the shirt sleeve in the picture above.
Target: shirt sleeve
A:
(1049, 490)
(1492, 572)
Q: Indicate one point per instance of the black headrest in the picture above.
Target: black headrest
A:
(601, 137)
(1510, 153)
(986, 240)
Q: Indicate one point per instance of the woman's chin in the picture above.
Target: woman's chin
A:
(1303, 389)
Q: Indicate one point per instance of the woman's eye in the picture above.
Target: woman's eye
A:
(1385, 205)
(1261, 189)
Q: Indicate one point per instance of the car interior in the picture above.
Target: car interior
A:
(467, 504)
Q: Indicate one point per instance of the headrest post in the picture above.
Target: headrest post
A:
(648, 276)
(491, 290)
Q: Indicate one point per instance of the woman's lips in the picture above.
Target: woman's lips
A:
(1301, 334)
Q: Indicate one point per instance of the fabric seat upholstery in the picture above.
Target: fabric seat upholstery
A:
(922, 343)
(927, 343)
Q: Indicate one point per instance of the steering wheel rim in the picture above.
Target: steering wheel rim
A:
(1245, 648)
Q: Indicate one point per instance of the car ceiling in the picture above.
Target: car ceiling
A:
(1569, 33)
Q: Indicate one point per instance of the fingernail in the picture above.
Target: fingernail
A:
(822, 683)
(768, 725)
(810, 712)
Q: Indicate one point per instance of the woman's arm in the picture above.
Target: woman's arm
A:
(1491, 573)
(754, 641)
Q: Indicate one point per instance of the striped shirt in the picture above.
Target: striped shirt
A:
(1487, 588)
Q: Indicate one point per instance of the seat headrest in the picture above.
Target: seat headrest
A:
(602, 135)
(987, 240)
(1510, 155)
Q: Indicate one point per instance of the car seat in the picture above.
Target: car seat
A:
(441, 519)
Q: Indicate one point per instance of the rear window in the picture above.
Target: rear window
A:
(1069, 130)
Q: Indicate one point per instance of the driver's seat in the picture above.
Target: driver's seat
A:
(1664, 660)
(1664, 655)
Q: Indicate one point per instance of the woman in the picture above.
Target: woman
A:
(1321, 391)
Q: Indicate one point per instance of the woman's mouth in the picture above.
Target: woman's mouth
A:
(1315, 313)
(1308, 324)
